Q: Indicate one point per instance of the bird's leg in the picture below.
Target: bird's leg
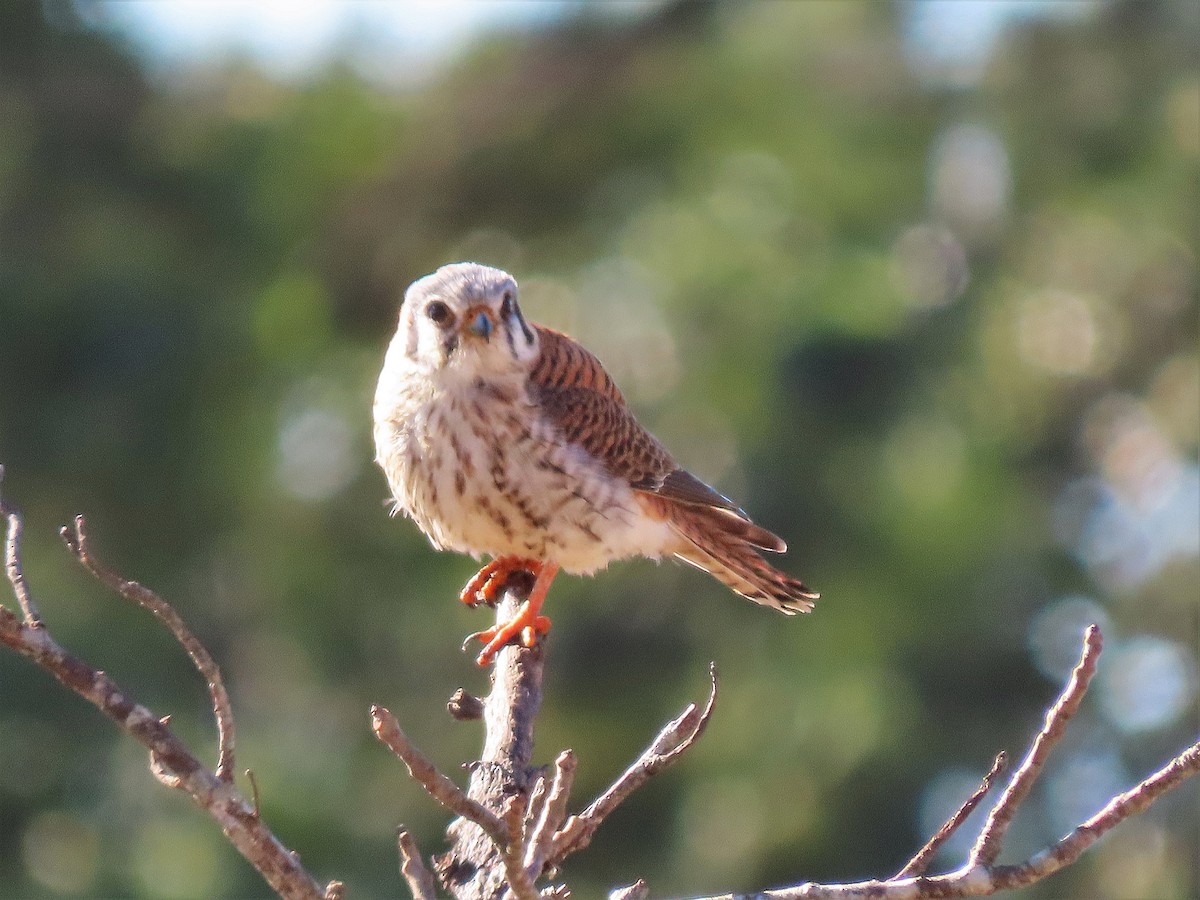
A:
(527, 624)
(489, 581)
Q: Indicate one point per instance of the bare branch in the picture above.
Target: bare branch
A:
(465, 707)
(165, 613)
(991, 839)
(512, 851)
(170, 759)
(672, 742)
(920, 862)
(279, 866)
(477, 865)
(513, 824)
(635, 891)
(12, 561)
(537, 800)
(984, 880)
(437, 785)
(254, 792)
(412, 867)
(553, 812)
(1137, 800)
(977, 879)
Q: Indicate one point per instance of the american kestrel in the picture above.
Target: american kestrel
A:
(504, 438)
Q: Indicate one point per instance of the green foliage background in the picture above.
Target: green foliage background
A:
(755, 214)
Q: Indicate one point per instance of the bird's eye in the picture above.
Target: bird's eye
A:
(439, 312)
(506, 305)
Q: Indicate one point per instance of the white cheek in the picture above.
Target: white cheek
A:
(431, 338)
(432, 342)
(526, 352)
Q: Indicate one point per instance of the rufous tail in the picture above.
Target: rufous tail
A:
(726, 546)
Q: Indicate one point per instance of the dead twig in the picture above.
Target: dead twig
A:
(506, 830)
(437, 785)
(672, 742)
(991, 838)
(465, 707)
(172, 761)
(79, 545)
(537, 800)
(1069, 848)
(416, 875)
(512, 824)
(553, 813)
(635, 891)
(980, 876)
(477, 865)
(512, 851)
(920, 862)
(254, 792)
(12, 561)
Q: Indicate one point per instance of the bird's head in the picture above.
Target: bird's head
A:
(464, 317)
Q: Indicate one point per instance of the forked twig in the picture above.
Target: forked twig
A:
(553, 813)
(1070, 847)
(171, 760)
(991, 839)
(79, 545)
(672, 742)
(920, 862)
(522, 824)
(437, 785)
(978, 877)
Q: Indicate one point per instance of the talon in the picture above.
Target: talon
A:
(485, 586)
(474, 636)
(526, 626)
(530, 633)
(494, 584)
(519, 627)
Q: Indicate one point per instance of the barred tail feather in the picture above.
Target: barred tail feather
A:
(726, 548)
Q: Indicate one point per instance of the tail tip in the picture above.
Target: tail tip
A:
(798, 600)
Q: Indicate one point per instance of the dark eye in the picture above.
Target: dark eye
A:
(439, 312)
(506, 305)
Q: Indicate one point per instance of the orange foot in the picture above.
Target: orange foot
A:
(527, 624)
(487, 583)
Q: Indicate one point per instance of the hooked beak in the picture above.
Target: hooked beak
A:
(479, 323)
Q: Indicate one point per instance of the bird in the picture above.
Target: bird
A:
(507, 439)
